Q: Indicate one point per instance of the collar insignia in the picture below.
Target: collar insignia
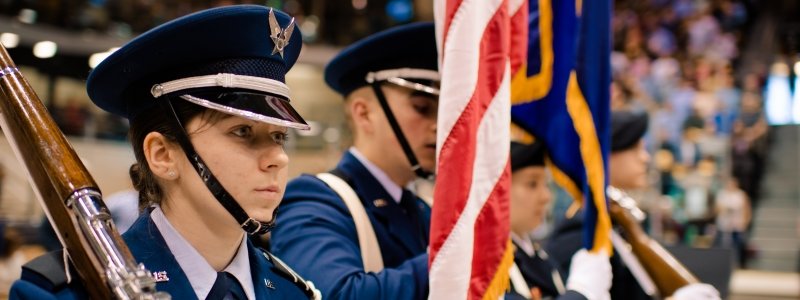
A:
(160, 276)
(379, 203)
(269, 284)
(280, 36)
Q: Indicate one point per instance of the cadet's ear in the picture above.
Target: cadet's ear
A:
(360, 108)
(161, 156)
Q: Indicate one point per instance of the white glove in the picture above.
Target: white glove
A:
(696, 291)
(590, 275)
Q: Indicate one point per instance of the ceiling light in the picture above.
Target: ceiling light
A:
(45, 49)
(9, 40)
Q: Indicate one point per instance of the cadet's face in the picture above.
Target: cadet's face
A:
(248, 159)
(416, 113)
(628, 167)
(530, 196)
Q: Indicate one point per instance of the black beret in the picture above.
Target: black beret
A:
(526, 155)
(627, 128)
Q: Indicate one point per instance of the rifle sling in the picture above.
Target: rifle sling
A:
(47, 271)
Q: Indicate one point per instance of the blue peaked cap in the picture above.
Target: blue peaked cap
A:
(407, 46)
(230, 40)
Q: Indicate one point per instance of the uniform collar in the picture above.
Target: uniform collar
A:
(394, 190)
(200, 274)
(524, 243)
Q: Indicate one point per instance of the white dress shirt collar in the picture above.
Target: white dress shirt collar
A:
(392, 188)
(524, 243)
(200, 274)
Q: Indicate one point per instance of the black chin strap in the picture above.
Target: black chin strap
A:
(401, 138)
(250, 225)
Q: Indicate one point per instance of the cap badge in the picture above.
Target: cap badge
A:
(280, 36)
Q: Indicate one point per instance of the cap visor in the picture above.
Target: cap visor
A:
(254, 106)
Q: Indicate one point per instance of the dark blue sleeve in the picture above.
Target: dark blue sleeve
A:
(26, 290)
(316, 236)
(44, 278)
(23, 290)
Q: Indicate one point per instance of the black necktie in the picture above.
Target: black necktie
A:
(226, 287)
(409, 203)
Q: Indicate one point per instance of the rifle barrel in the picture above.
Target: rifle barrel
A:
(68, 194)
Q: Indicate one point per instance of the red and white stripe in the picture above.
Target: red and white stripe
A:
(470, 222)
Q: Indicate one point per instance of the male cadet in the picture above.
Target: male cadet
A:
(371, 244)
(627, 170)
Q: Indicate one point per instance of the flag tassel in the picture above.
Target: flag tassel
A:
(500, 282)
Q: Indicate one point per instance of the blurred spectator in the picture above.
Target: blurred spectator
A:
(723, 48)
(706, 106)
(731, 15)
(733, 215)
(667, 127)
(698, 185)
(689, 151)
(729, 97)
(703, 31)
(110, 126)
(752, 83)
(662, 42)
(72, 117)
(666, 74)
(664, 160)
(749, 145)
(681, 100)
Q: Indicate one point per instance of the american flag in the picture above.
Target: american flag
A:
(470, 248)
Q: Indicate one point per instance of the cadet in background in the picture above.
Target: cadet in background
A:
(535, 275)
(358, 232)
(627, 167)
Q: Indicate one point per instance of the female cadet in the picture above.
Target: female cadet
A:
(209, 112)
(534, 274)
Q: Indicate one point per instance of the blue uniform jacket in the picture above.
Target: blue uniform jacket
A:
(148, 247)
(316, 235)
(567, 238)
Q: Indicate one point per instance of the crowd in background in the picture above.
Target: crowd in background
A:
(123, 18)
(675, 60)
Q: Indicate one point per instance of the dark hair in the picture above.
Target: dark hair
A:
(155, 119)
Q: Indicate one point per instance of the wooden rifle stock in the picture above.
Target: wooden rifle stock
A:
(67, 192)
(667, 272)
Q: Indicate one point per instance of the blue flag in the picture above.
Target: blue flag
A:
(560, 95)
